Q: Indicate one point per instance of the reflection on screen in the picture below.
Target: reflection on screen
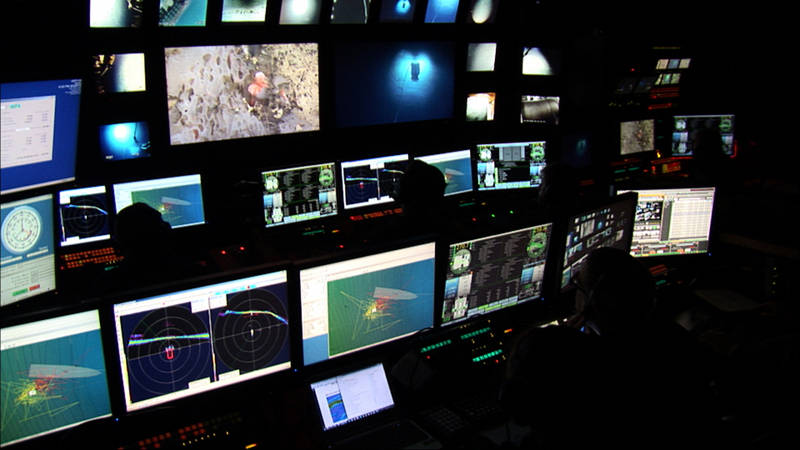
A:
(299, 194)
(127, 140)
(54, 376)
(350, 305)
(178, 199)
(38, 133)
(83, 215)
(372, 181)
(510, 165)
(495, 272)
(672, 221)
(457, 170)
(241, 91)
(27, 256)
(187, 342)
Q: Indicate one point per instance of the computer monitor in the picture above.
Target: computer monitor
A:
(489, 273)
(441, 11)
(116, 13)
(540, 109)
(480, 106)
(84, 215)
(243, 11)
(387, 82)
(125, 140)
(456, 166)
(397, 11)
(299, 12)
(672, 221)
(350, 11)
(541, 61)
(482, 11)
(637, 136)
(372, 181)
(299, 194)
(54, 376)
(27, 256)
(182, 343)
(179, 199)
(689, 131)
(223, 92)
(609, 224)
(365, 301)
(38, 133)
(120, 72)
(173, 13)
(481, 56)
(511, 165)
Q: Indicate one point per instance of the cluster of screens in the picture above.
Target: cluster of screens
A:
(186, 13)
(689, 134)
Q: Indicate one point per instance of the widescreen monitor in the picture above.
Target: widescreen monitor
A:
(456, 166)
(183, 343)
(244, 11)
(223, 92)
(299, 12)
(124, 140)
(512, 165)
(372, 181)
(299, 194)
(672, 221)
(714, 132)
(489, 273)
(361, 302)
(38, 133)
(390, 82)
(179, 199)
(54, 376)
(84, 215)
(637, 136)
(182, 13)
(120, 72)
(27, 256)
(609, 224)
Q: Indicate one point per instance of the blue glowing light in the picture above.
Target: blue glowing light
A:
(402, 7)
(412, 77)
(441, 11)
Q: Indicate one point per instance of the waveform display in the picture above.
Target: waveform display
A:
(137, 340)
(251, 312)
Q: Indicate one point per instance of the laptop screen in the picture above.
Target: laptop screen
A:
(352, 396)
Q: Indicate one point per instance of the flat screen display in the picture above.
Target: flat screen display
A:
(116, 13)
(187, 342)
(689, 131)
(398, 11)
(120, 72)
(490, 273)
(244, 10)
(54, 376)
(38, 133)
(27, 256)
(541, 61)
(182, 13)
(350, 11)
(222, 92)
(84, 215)
(125, 140)
(178, 199)
(637, 136)
(512, 165)
(481, 56)
(540, 109)
(299, 12)
(441, 11)
(372, 181)
(672, 221)
(393, 82)
(298, 194)
(456, 167)
(351, 305)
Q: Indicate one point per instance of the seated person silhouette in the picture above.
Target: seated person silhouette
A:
(146, 244)
(421, 194)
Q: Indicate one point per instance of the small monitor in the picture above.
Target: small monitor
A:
(607, 225)
(223, 92)
(480, 106)
(352, 396)
(456, 167)
(715, 132)
(38, 133)
(637, 136)
(299, 194)
(441, 11)
(672, 221)
(361, 302)
(244, 11)
(350, 11)
(124, 140)
(27, 256)
(299, 12)
(121, 72)
(482, 11)
(387, 82)
(512, 165)
(84, 215)
(490, 273)
(372, 181)
(54, 376)
(181, 13)
(186, 342)
(179, 199)
(117, 13)
(481, 56)
(540, 109)
(541, 61)
(397, 11)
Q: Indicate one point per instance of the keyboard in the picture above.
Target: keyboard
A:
(99, 256)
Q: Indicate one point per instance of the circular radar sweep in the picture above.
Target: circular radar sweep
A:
(84, 217)
(21, 229)
(252, 331)
(536, 245)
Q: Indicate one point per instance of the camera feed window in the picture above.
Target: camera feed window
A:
(122, 72)
(244, 10)
(182, 13)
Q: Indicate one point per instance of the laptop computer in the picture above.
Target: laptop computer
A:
(357, 410)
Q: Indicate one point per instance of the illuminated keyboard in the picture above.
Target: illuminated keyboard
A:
(99, 256)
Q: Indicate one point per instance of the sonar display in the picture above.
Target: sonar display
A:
(187, 342)
(83, 215)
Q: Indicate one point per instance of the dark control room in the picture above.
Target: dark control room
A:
(576, 209)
